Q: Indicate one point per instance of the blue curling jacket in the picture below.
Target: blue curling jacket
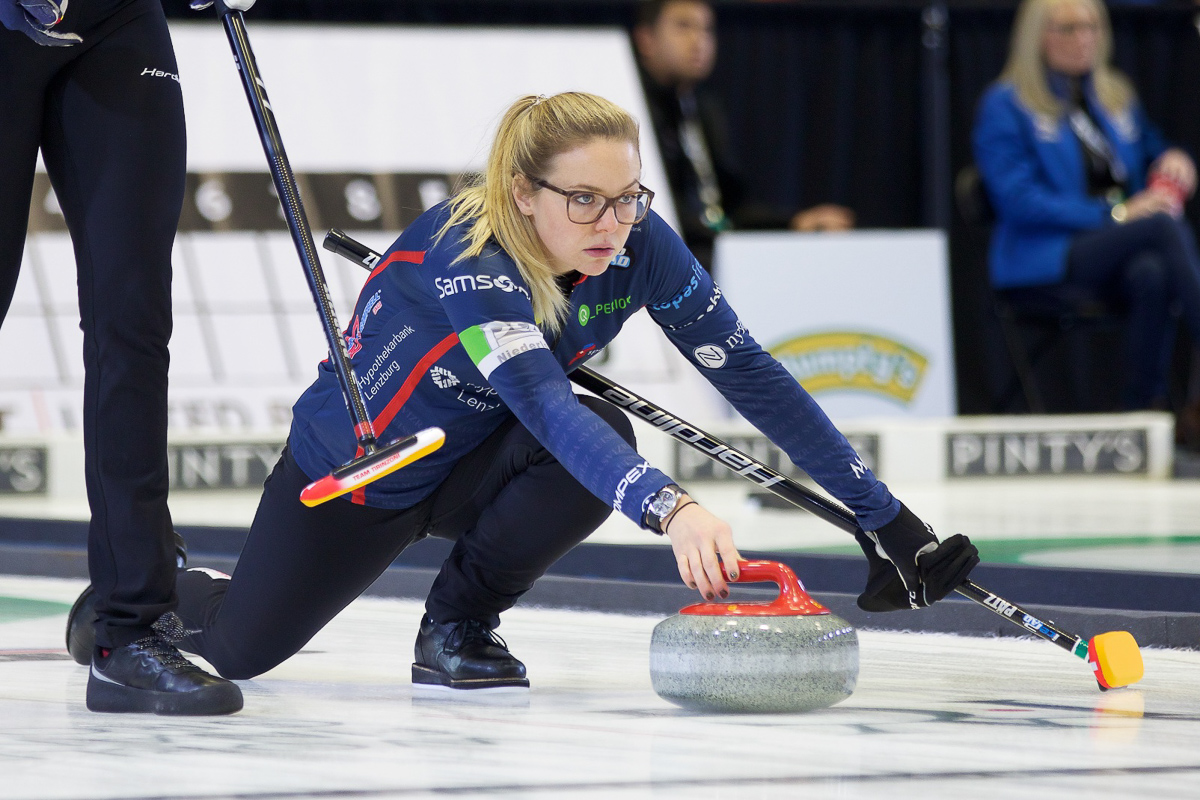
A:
(1034, 171)
(434, 342)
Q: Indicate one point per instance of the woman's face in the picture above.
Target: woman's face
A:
(1071, 39)
(608, 167)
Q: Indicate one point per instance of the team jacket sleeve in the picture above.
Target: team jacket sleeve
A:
(497, 329)
(696, 318)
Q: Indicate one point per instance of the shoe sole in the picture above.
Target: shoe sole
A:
(424, 676)
(112, 698)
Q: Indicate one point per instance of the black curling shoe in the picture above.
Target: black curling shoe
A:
(150, 676)
(81, 627)
(81, 622)
(464, 654)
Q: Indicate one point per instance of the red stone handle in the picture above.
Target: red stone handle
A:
(792, 599)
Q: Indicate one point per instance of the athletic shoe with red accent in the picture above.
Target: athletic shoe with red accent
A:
(150, 676)
(464, 654)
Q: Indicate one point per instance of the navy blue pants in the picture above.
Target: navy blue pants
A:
(111, 133)
(1148, 267)
(511, 508)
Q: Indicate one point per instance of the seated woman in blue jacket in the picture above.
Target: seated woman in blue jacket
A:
(1087, 193)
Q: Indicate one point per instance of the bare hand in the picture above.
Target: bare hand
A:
(1179, 167)
(698, 537)
(825, 217)
(1147, 203)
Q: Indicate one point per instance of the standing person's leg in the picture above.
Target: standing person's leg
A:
(299, 567)
(114, 145)
(513, 510)
(25, 68)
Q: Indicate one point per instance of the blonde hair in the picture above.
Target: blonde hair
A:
(1026, 66)
(532, 133)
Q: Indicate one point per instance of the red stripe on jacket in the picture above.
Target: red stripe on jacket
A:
(401, 396)
(406, 256)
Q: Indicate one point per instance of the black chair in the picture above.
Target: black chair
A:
(1048, 313)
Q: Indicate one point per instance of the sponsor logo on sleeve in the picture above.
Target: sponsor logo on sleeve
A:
(690, 288)
(475, 283)
(858, 467)
(710, 356)
(631, 477)
(737, 337)
(491, 344)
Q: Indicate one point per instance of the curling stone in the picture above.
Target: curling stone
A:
(791, 654)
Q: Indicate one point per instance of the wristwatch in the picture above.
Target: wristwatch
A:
(661, 506)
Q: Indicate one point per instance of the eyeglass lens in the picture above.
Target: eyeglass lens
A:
(587, 207)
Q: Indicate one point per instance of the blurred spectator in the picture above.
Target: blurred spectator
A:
(677, 47)
(1087, 193)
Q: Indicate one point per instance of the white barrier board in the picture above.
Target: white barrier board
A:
(392, 98)
(862, 318)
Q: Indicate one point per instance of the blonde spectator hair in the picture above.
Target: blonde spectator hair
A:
(1026, 67)
(532, 133)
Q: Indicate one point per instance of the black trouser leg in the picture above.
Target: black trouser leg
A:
(514, 510)
(512, 507)
(114, 146)
(112, 138)
(300, 566)
(21, 106)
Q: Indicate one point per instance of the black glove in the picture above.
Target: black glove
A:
(909, 568)
(35, 18)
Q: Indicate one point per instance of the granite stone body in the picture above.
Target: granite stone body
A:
(754, 664)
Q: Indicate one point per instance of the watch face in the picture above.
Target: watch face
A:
(663, 502)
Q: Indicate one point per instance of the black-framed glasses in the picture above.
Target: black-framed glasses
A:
(585, 208)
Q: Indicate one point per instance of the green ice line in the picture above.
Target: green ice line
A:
(14, 609)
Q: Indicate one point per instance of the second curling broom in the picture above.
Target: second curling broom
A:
(372, 461)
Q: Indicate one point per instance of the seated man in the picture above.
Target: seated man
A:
(676, 46)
